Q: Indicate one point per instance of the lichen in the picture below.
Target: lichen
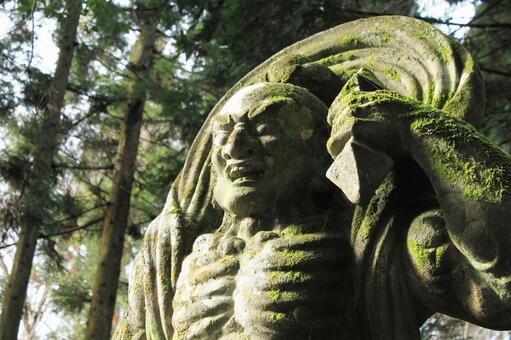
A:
(349, 40)
(298, 122)
(427, 260)
(292, 230)
(278, 277)
(293, 257)
(385, 36)
(277, 317)
(439, 254)
(424, 32)
(420, 254)
(392, 73)
(278, 295)
(444, 53)
(337, 58)
(454, 150)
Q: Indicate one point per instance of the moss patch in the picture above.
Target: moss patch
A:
(461, 155)
(298, 122)
(337, 58)
(392, 73)
(349, 40)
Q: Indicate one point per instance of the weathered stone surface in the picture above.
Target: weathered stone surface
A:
(256, 243)
(358, 171)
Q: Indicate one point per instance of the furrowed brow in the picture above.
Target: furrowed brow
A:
(221, 122)
(268, 108)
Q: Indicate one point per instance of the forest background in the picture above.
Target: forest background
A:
(94, 133)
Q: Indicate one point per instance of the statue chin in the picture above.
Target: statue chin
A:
(241, 201)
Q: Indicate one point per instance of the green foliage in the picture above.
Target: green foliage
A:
(490, 47)
(72, 296)
(227, 47)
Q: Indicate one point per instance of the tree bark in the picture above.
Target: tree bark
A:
(40, 183)
(116, 216)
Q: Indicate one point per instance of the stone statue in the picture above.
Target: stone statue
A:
(338, 191)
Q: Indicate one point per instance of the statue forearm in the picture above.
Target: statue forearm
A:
(472, 180)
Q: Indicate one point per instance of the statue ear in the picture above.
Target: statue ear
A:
(318, 79)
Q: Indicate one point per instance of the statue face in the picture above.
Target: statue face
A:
(261, 152)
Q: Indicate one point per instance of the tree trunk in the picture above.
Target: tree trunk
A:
(116, 216)
(40, 183)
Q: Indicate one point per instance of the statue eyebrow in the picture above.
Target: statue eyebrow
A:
(221, 122)
(264, 110)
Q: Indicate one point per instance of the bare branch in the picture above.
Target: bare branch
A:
(79, 214)
(71, 230)
(32, 37)
(85, 167)
(505, 25)
(500, 73)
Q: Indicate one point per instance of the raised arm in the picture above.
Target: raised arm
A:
(459, 256)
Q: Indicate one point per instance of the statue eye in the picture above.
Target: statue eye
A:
(264, 129)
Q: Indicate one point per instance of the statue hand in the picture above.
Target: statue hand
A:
(368, 130)
(377, 119)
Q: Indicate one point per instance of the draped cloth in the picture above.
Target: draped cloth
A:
(408, 56)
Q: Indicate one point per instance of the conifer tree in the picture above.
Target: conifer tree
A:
(40, 180)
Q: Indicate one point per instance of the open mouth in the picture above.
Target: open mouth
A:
(244, 173)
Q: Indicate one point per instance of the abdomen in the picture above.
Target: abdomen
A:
(282, 285)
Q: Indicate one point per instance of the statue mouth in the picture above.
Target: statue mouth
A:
(244, 172)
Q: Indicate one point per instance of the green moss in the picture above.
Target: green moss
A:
(277, 317)
(444, 53)
(385, 36)
(424, 32)
(450, 147)
(392, 73)
(349, 40)
(374, 210)
(365, 228)
(337, 58)
(228, 260)
(273, 295)
(296, 121)
(430, 95)
(292, 230)
(439, 254)
(420, 254)
(277, 295)
(428, 260)
(293, 257)
(278, 277)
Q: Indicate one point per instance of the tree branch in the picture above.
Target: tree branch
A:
(500, 73)
(60, 233)
(71, 230)
(85, 167)
(79, 214)
(32, 37)
(505, 25)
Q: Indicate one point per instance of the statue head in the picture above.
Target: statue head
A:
(268, 145)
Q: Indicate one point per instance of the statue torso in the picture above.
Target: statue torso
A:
(292, 282)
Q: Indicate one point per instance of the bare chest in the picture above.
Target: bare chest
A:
(289, 284)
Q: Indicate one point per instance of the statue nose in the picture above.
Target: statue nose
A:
(239, 145)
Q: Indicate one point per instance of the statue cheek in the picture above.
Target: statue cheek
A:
(217, 161)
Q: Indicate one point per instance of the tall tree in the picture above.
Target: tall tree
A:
(41, 179)
(117, 211)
